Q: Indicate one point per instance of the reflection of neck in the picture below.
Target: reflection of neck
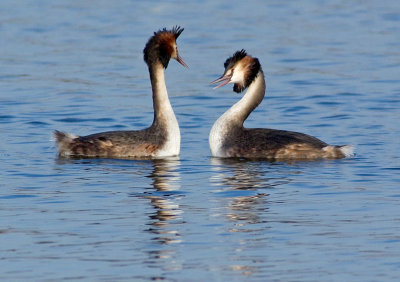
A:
(166, 174)
(166, 178)
(239, 112)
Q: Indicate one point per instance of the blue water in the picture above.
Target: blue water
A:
(332, 70)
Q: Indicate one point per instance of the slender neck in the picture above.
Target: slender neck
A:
(239, 112)
(161, 104)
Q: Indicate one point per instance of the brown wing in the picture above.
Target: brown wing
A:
(272, 143)
(141, 143)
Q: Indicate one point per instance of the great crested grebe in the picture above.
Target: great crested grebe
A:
(162, 138)
(228, 137)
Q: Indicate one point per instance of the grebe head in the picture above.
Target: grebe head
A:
(162, 47)
(240, 69)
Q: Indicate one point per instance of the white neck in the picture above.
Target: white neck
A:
(236, 115)
(164, 115)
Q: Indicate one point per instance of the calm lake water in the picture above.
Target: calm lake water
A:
(332, 70)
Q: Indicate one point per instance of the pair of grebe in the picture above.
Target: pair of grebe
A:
(228, 138)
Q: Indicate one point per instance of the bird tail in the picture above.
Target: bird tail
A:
(347, 150)
(337, 152)
(63, 141)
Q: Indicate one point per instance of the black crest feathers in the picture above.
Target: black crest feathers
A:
(231, 61)
(160, 46)
(177, 30)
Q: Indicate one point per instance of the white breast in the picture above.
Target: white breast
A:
(216, 138)
(173, 143)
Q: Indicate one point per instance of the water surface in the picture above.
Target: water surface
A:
(332, 71)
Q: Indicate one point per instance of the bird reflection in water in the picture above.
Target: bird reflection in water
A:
(242, 189)
(166, 183)
(245, 188)
(163, 221)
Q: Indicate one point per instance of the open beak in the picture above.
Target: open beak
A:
(225, 79)
(180, 60)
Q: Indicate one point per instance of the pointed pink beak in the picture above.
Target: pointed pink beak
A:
(180, 60)
(225, 80)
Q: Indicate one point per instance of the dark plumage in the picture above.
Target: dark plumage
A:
(236, 57)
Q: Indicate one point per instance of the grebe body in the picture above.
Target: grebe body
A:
(228, 137)
(162, 138)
